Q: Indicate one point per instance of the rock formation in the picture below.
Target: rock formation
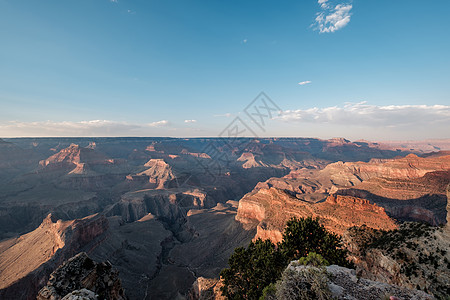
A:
(447, 226)
(195, 154)
(74, 155)
(270, 209)
(414, 256)
(158, 173)
(206, 289)
(83, 294)
(249, 161)
(344, 284)
(25, 254)
(81, 272)
(76, 160)
(171, 221)
(27, 260)
(342, 194)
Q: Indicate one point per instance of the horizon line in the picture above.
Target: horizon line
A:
(217, 137)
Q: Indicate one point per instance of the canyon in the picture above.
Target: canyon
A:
(347, 194)
(166, 213)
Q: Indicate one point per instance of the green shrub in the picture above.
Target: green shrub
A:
(303, 284)
(254, 268)
(269, 292)
(251, 270)
(305, 235)
(313, 259)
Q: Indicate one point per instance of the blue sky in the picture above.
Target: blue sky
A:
(371, 69)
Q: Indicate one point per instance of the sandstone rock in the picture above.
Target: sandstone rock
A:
(26, 262)
(74, 155)
(269, 209)
(195, 154)
(410, 188)
(81, 272)
(249, 161)
(206, 289)
(159, 173)
(80, 161)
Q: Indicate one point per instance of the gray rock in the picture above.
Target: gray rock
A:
(344, 284)
(80, 275)
(83, 294)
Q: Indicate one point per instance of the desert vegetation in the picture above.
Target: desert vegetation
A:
(416, 254)
(254, 270)
(296, 267)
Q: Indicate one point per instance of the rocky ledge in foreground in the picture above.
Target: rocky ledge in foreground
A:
(310, 282)
(80, 274)
(335, 282)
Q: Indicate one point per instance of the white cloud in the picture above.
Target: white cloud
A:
(81, 128)
(115, 1)
(190, 121)
(304, 82)
(66, 128)
(227, 115)
(158, 123)
(363, 114)
(244, 41)
(332, 17)
(323, 3)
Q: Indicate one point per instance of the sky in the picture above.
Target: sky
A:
(359, 69)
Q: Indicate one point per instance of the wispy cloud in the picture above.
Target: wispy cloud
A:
(66, 128)
(81, 128)
(115, 1)
(372, 115)
(304, 82)
(190, 121)
(227, 115)
(158, 123)
(323, 3)
(332, 17)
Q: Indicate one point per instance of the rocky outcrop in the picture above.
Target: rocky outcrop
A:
(206, 289)
(25, 254)
(447, 226)
(249, 161)
(81, 272)
(269, 209)
(76, 160)
(195, 154)
(169, 205)
(74, 155)
(26, 262)
(410, 188)
(159, 174)
(418, 199)
(413, 256)
(83, 294)
(344, 284)
(409, 167)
